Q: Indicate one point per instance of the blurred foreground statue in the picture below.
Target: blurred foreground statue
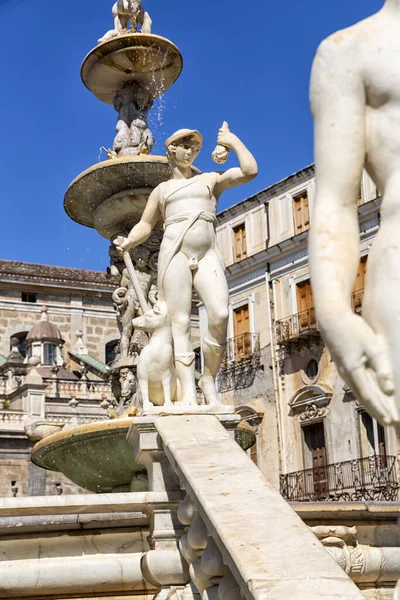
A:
(189, 259)
(355, 99)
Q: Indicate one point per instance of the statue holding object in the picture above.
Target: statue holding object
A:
(355, 98)
(189, 258)
(125, 13)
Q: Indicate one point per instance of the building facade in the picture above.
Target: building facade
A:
(315, 442)
(50, 319)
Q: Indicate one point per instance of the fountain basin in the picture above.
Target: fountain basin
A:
(111, 195)
(152, 60)
(96, 457)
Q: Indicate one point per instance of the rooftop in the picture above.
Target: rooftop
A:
(13, 269)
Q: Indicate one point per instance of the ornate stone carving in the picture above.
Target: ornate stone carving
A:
(132, 104)
(313, 412)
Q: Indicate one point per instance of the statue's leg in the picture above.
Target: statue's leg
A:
(166, 385)
(178, 297)
(212, 288)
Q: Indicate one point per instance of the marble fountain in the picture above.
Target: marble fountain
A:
(209, 526)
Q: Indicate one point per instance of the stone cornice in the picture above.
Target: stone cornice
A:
(16, 271)
(265, 195)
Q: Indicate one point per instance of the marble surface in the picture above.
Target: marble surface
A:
(355, 101)
(95, 456)
(265, 544)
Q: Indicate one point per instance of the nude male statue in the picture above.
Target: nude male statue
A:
(355, 99)
(188, 256)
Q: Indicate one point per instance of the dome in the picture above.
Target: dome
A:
(44, 330)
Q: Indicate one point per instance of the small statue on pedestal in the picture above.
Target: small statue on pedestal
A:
(125, 13)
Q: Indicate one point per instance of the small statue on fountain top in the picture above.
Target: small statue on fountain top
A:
(128, 12)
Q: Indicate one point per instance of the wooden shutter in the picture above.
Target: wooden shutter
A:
(315, 448)
(305, 299)
(362, 269)
(239, 242)
(301, 212)
(241, 324)
(241, 320)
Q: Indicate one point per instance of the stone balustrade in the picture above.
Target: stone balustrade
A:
(81, 390)
(240, 539)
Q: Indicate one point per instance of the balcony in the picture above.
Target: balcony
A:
(242, 348)
(365, 479)
(301, 325)
(304, 324)
(242, 359)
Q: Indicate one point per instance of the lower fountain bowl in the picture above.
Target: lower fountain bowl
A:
(97, 457)
(111, 195)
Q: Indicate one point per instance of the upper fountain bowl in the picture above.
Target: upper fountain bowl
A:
(152, 60)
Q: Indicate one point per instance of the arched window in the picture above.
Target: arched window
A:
(49, 354)
(21, 337)
(111, 351)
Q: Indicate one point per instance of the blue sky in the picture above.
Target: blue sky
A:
(247, 63)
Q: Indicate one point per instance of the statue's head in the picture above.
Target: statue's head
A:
(141, 257)
(184, 146)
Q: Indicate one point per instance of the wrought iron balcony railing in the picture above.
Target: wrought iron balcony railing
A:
(300, 325)
(241, 363)
(304, 324)
(244, 347)
(365, 479)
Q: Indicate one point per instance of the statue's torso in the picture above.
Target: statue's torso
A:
(377, 46)
(178, 197)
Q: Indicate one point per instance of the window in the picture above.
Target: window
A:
(311, 369)
(362, 269)
(305, 299)
(314, 453)
(21, 337)
(301, 213)
(305, 306)
(358, 290)
(111, 351)
(49, 354)
(239, 242)
(241, 324)
(26, 297)
(197, 353)
(373, 439)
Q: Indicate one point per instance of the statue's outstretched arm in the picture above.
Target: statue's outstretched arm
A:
(339, 110)
(247, 170)
(143, 229)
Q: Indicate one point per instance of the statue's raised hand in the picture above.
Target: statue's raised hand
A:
(225, 137)
(363, 362)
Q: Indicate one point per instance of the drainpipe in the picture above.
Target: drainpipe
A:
(274, 372)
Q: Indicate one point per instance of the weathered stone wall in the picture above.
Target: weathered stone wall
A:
(97, 323)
